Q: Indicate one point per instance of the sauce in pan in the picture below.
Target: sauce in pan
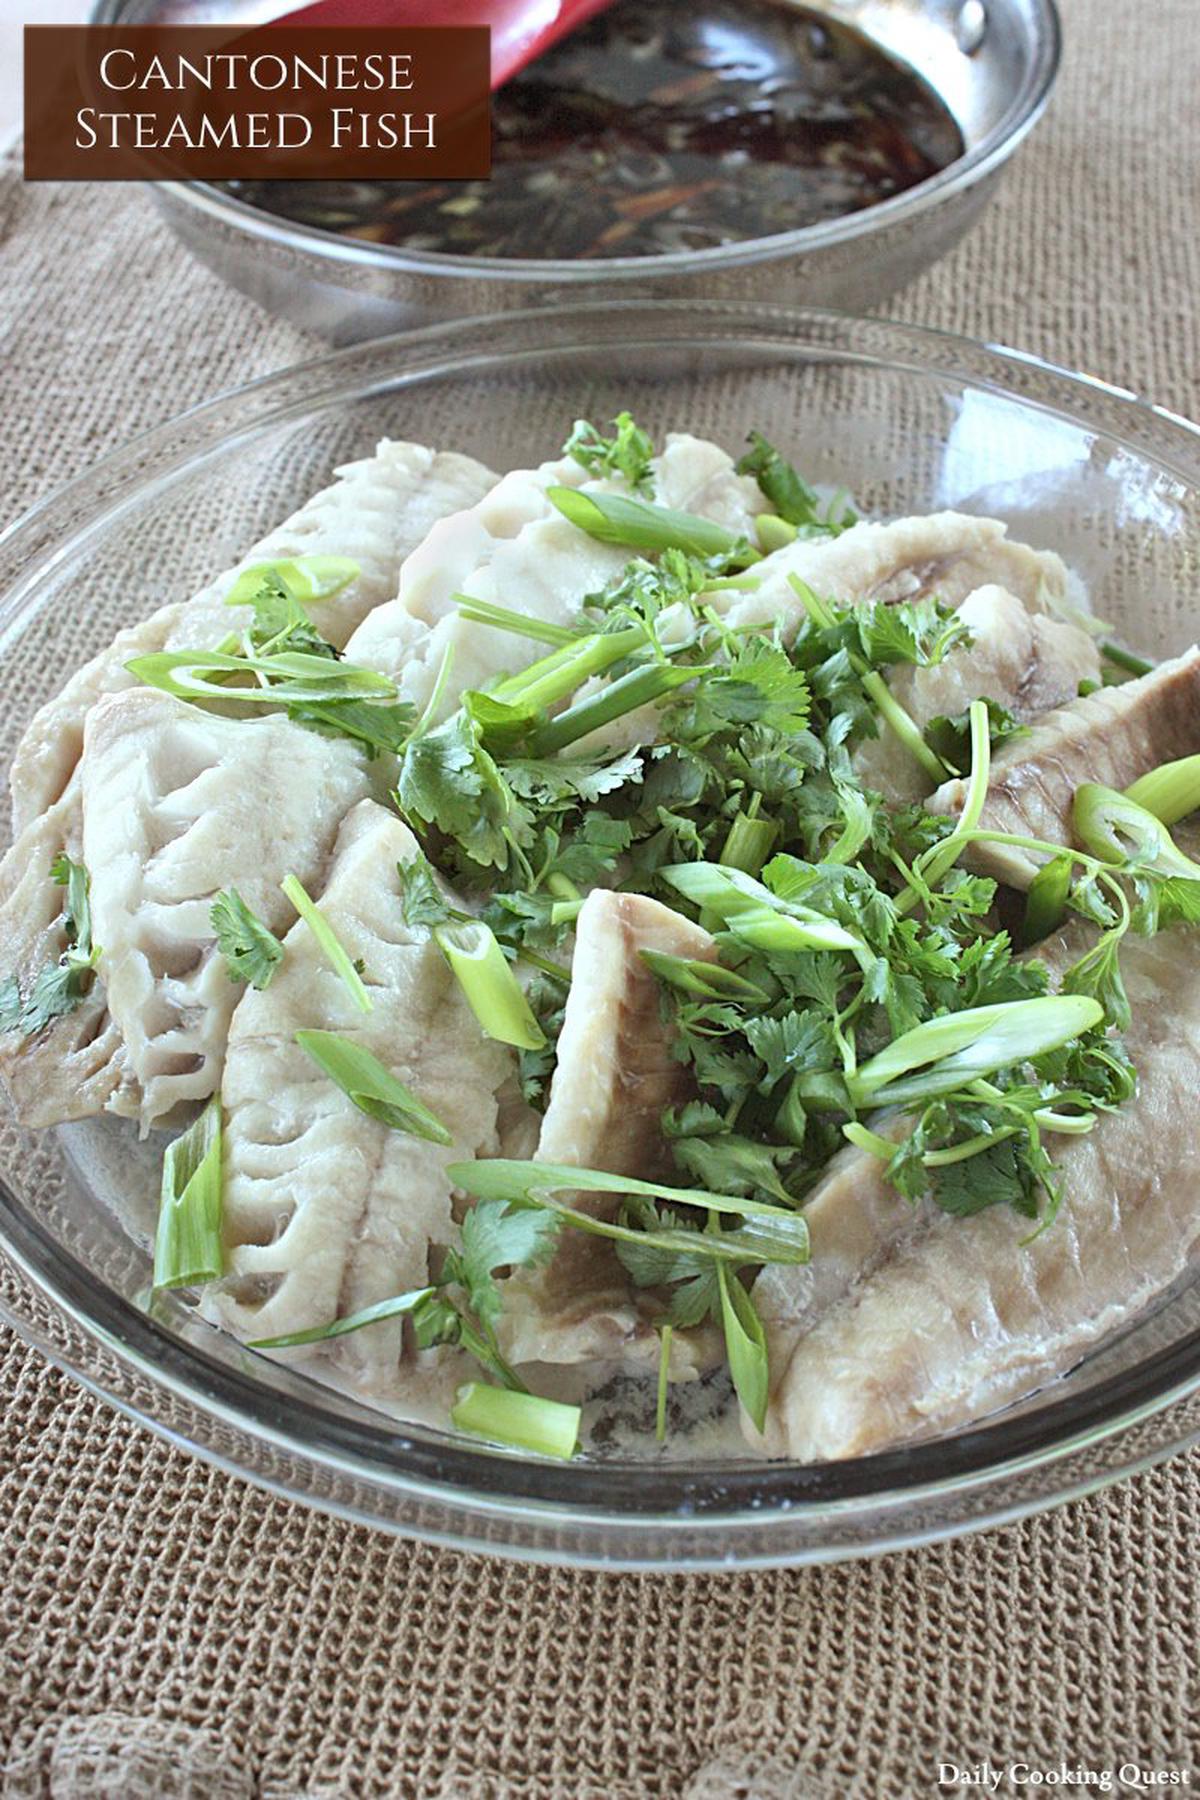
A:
(662, 127)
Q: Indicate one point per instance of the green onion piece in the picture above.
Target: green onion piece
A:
(1170, 792)
(1112, 827)
(937, 863)
(638, 688)
(1046, 901)
(664, 1367)
(334, 953)
(872, 1141)
(519, 1421)
(771, 1229)
(1125, 659)
(396, 1308)
(745, 1346)
(493, 992)
(773, 533)
(903, 727)
(187, 1243)
(749, 843)
(756, 915)
(613, 519)
(562, 887)
(958, 1047)
(819, 612)
(305, 578)
(565, 912)
(555, 677)
(292, 677)
(373, 1088)
(503, 618)
(711, 981)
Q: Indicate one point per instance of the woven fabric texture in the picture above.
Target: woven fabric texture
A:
(169, 1633)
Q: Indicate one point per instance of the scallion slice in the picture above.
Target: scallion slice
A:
(745, 1346)
(305, 578)
(396, 1308)
(373, 1088)
(492, 991)
(613, 519)
(292, 677)
(1113, 827)
(1171, 791)
(187, 1243)
(942, 1054)
(518, 1421)
(334, 952)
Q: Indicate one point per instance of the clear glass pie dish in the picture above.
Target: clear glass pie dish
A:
(909, 421)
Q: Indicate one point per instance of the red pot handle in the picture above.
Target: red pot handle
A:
(521, 29)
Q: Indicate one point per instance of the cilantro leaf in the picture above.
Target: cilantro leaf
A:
(790, 495)
(250, 948)
(424, 903)
(496, 1235)
(60, 986)
(629, 452)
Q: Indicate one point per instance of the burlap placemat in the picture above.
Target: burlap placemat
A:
(169, 1631)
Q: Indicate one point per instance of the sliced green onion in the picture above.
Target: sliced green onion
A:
(772, 1234)
(292, 677)
(372, 1087)
(492, 991)
(565, 912)
(902, 726)
(187, 1242)
(613, 519)
(749, 843)
(1126, 659)
(335, 954)
(773, 533)
(305, 578)
(519, 1421)
(555, 677)
(757, 916)
(1170, 792)
(396, 1308)
(745, 1346)
(958, 1047)
(819, 612)
(640, 687)
(1112, 826)
(709, 980)
(942, 858)
(1046, 901)
(664, 1369)
(503, 618)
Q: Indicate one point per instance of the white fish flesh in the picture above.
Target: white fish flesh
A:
(1112, 737)
(328, 1210)
(178, 805)
(515, 549)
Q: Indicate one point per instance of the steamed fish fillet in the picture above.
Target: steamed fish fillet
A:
(375, 512)
(615, 1073)
(328, 1210)
(947, 555)
(964, 1317)
(1027, 661)
(178, 805)
(1112, 737)
(516, 549)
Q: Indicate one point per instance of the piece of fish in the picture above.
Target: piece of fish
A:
(328, 1210)
(377, 510)
(1112, 737)
(515, 549)
(615, 1073)
(965, 1317)
(1027, 661)
(945, 554)
(178, 805)
(375, 513)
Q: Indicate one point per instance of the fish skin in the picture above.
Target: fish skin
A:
(375, 512)
(945, 554)
(177, 806)
(964, 1317)
(1028, 662)
(615, 1074)
(1112, 737)
(326, 1209)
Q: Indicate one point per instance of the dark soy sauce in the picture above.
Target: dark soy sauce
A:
(662, 127)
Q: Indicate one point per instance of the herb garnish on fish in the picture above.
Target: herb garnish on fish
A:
(62, 985)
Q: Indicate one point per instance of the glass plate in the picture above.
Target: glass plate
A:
(909, 421)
